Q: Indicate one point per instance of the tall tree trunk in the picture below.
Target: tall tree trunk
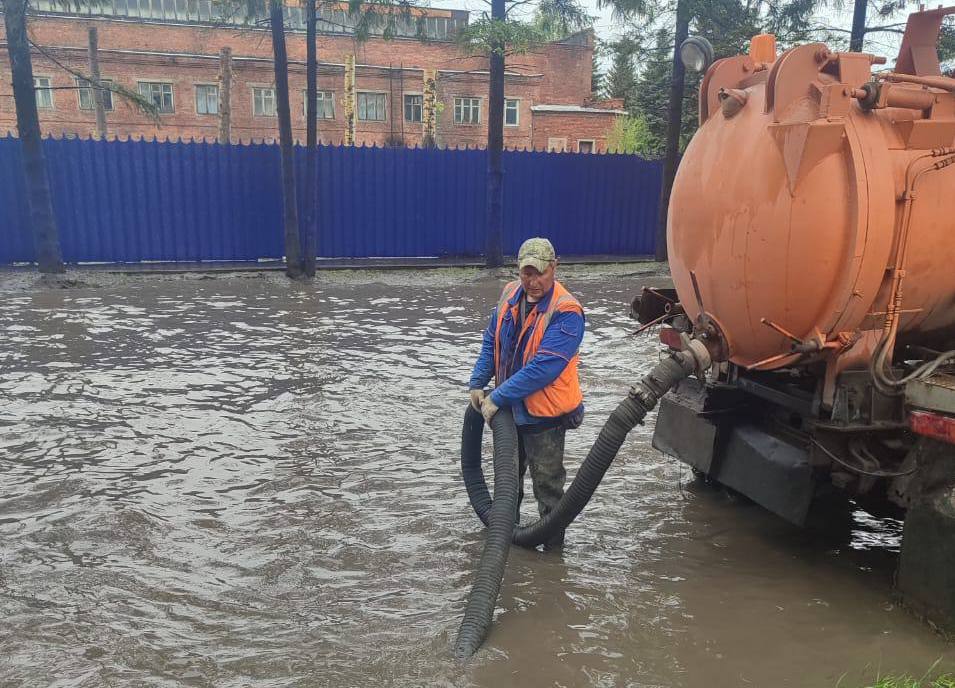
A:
(99, 100)
(674, 124)
(311, 139)
(495, 147)
(293, 248)
(225, 95)
(858, 25)
(46, 237)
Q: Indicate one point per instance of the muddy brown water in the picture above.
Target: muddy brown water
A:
(241, 481)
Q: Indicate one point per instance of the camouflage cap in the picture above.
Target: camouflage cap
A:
(538, 252)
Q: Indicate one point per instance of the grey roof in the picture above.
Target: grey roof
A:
(575, 108)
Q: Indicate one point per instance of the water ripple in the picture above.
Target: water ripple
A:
(246, 481)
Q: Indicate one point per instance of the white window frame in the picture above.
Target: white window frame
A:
(459, 107)
(517, 112)
(47, 91)
(382, 94)
(140, 83)
(554, 141)
(592, 142)
(327, 97)
(89, 89)
(199, 85)
(404, 112)
(263, 88)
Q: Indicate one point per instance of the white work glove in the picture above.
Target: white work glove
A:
(477, 396)
(488, 409)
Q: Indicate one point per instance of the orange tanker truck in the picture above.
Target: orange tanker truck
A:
(811, 239)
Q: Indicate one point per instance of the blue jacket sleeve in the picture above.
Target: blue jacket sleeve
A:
(484, 368)
(559, 344)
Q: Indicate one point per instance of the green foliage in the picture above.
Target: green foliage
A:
(946, 42)
(632, 135)
(380, 17)
(906, 681)
(622, 77)
(596, 74)
(648, 46)
(652, 95)
(946, 680)
(557, 19)
(488, 35)
(552, 21)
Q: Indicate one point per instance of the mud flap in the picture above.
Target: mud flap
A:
(926, 575)
(773, 473)
(927, 565)
(682, 432)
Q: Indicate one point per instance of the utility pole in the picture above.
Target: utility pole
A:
(311, 139)
(674, 124)
(495, 145)
(225, 95)
(99, 101)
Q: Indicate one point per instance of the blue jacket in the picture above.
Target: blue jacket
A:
(561, 340)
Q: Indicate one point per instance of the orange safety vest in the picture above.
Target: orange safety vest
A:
(563, 395)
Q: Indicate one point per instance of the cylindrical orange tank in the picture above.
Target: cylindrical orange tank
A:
(790, 207)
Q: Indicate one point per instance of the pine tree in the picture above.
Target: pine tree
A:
(622, 78)
(596, 74)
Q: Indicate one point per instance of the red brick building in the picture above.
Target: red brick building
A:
(170, 52)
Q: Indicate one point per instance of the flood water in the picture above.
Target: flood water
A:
(242, 481)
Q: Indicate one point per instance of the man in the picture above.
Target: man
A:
(530, 348)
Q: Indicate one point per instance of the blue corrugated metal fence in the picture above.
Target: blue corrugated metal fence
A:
(130, 201)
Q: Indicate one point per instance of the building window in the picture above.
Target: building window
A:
(326, 104)
(511, 113)
(467, 110)
(85, 91)
(413, 107)
(436, 28)
(263, 101)
(207, 99)
(585, 146)
(371, 107)
(160, 94)
(558, 145)
(44, 92)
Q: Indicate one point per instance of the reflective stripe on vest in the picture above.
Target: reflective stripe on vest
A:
(563, 395)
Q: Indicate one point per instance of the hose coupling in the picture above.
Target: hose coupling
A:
(644, 396)
(700, 353)
(693, 358)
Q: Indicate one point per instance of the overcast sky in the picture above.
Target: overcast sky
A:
(608, 28)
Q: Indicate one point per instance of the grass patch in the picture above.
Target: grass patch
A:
(943, 681)
(946, 680)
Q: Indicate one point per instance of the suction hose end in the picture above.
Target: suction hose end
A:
(500, 526)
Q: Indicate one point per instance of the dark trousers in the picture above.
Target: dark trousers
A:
(543, 451)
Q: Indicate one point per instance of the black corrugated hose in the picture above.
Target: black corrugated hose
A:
(499, 518)
(628, 414)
